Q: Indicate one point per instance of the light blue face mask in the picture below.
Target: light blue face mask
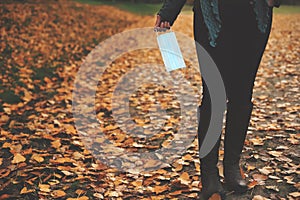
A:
(170, 51)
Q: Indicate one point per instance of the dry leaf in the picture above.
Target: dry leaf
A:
(160, 189)
(79, 198)
(185, 178)
(275, 153)
(215, 197)
(18, 158)
(266, 170)
(58, 194)
(37, 158)
(295, 194)
(257, 141)
(44, 187)
(259, 177)
(272, 187)
(25, 190)
(258, 197)
(252, 184)
(56, 144)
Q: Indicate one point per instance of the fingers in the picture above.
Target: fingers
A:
(165, 25)
(161, 25)
(158, 21)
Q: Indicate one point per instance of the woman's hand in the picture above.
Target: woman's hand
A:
(161, 25)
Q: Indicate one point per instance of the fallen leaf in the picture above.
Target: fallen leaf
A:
(258, 197)
(259, 177)
(252, 184)
(25, 190)
(18, 158)
(79, 198)
(272, 187)
(160, 189)
(67, 173)
(295, 194)
(215, 197)
(185, 178)
(257, 141)
(58, 194)
(275, 153)
(37, 158)
(56, 144)
(44, 187)
(266, 170)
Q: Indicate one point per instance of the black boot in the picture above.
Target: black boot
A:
(209, 171)
(210, 178)
(237, 121)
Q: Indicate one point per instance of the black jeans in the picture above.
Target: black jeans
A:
(238, 53)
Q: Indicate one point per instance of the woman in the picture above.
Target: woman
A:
(235, 34)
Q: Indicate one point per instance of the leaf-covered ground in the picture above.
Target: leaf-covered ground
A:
(42, 156)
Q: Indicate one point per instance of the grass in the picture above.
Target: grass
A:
(151, 9)
(137, 8)
(287, 9)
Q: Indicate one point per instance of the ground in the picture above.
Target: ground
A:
(42, 154)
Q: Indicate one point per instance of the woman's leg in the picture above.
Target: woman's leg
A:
(249, 46)
(209, 171)
(238, 53)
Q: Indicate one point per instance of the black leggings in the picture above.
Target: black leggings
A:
(238, 53)
(239, 49)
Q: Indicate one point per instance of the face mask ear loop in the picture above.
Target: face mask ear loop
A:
(158, 29)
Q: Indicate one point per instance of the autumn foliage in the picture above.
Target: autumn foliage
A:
(43, 44)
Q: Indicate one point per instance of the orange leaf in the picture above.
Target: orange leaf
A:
(58, 193)
(159, 189)
(37, 158)
(44, 187)
(18, 158)
(56, 144)
(185, 178)
(25, 191)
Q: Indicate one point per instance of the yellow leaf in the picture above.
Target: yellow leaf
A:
(185, 178)
(251, 167)
(70, 128)
(25, 191)
(44, 187)
(137, 183)
(58, 193)
(187, 157)
(79, 192)
(77, 155)
(159, 189)
(18, 158)
(37, 158)
(56, 144)
(67, 173)
(63, 160)
(257, 141)
(79, 198)
(27, 96)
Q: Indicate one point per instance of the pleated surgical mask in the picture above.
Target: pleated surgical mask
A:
(170, 51)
